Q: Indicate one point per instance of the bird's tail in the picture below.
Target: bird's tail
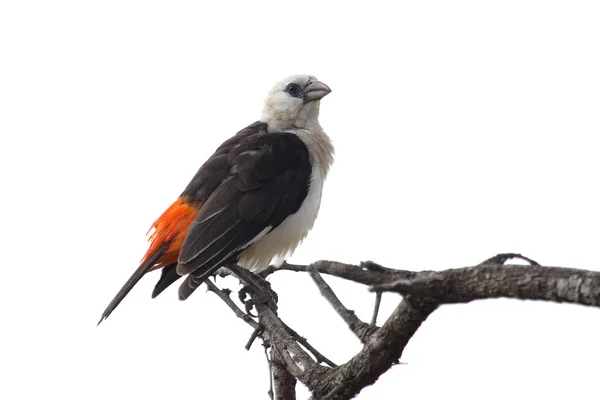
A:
(169, 232)
(131, 282)
(168, 276)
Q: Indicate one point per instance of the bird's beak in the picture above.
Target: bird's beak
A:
(315, 91)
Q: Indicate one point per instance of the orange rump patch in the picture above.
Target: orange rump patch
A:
(171, 227)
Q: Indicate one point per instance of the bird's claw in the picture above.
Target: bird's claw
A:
(250, 296)
(245, 297)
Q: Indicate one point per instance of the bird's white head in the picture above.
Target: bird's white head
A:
(294, 103)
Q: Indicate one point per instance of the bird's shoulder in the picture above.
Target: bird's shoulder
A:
(256, 136)
(251, 156)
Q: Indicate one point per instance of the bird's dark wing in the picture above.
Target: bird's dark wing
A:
(267, 178)
(168, 276)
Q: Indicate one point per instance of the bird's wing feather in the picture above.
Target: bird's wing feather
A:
(167, 277)
(170, 229)
(268, 180)
(131, 282)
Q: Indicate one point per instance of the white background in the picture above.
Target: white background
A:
(462, 129)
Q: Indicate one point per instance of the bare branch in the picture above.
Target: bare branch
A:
(224, 295)
(423, 292)
(257, 332)
(454, 286)
(284, 383)
(320, 358)
(294, 357)
(502, 258)
(383, 350)
(361, 329)
(271, 391)
(296, 360)
(513, 281)
(367, 273)
(376, 308)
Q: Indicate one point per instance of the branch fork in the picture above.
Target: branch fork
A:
(294, 359)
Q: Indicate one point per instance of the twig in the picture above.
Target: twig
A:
(502, 258)
(376, 308)
(270, 364)
(225, 297)
(320, 358)
(257, 332)
(374, 267)
(361, 329)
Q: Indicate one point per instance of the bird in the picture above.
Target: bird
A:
(252, 202)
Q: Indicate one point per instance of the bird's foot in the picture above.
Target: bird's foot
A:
(258, 291)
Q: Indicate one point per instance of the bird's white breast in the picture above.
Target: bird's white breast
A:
(283, 240)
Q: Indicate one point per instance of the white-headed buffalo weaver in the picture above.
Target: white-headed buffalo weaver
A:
(254, 200)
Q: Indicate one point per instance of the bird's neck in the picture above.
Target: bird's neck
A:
(320, 148)
(281, 121)
(306, 126)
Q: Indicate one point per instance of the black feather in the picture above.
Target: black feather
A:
(254, 180)
(131, 282)
(227, 250)
(168, 276)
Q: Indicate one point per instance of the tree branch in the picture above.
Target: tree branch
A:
(224, 295)
(524, 282)
(283, 381)
(383, 350)
(271, 391)
(296, 360)
(320, 358)
(502, 258)
(378, 296)
(361, 329)
(423, 292)
(367, 273)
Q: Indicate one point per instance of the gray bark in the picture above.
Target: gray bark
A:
(422, 293)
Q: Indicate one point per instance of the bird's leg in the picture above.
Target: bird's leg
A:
(259, 289)
(243, 294)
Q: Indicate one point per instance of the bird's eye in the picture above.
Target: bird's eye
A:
(293, 89)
